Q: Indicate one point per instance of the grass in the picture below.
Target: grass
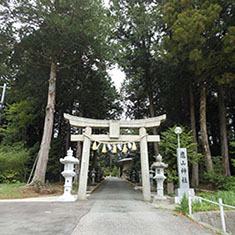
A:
(21, 190)
(228, 197)
(8, 191)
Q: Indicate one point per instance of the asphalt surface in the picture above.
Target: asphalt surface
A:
(41, 218)
(118, 209)
(114, 209)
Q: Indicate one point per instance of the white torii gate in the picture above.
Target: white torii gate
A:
(114, 136)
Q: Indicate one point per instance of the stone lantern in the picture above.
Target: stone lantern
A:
(68, 174)
(133, 177)
(93, 172)
(159, 175)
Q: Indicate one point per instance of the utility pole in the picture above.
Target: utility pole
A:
(2, 99)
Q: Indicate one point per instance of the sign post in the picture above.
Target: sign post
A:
(183, 175)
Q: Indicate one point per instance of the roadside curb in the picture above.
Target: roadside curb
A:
(205, 225)
(133, 185)
(96, 187)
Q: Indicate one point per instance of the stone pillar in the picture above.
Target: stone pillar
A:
(170, 187)
(151, 172)
(98, 176)
(93, 177)
(140, 177)
(144, 165)
(133, 177)
(84, 166)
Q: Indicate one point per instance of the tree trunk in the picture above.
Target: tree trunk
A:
(203, 127)
(195, 172)
(152, 114)
(40, 172)
(67, 137)
(94, 159)
(223, 133)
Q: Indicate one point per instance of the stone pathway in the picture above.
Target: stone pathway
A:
(119, 209)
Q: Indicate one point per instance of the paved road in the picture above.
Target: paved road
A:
(114, 209)
(119, 210)
(41, 218)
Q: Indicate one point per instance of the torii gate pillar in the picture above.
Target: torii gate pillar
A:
(84, 165)
(144, 165)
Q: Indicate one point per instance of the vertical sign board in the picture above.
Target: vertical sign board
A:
(182, 162)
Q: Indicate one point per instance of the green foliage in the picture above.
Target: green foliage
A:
(228, 197)
(107, 171)
(232, 144)
(183, 206)
(135, 32)
(217, 179)
(20, 118)
(115, 171)
(168, 146)
(13, 161)
(9, 177)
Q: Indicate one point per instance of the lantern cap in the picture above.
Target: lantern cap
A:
(159, 163)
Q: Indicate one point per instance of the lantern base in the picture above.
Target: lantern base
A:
(67, 198)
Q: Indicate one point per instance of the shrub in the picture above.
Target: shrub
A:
(217, 179)
(183, 206)
(115, 171)
(12, 162)
(228, 197)
(9, 177)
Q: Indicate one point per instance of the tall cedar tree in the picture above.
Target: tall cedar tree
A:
(63, 29)
(136, 31)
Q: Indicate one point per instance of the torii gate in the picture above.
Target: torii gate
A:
(114, 136)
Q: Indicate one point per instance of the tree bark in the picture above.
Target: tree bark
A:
(152, 114)
(223, 132)
(203, 127)
(40, 172)
(94, 159)
(67, 138)
(195, 171)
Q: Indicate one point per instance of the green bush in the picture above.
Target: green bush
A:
(12, 163)
(107, 171)
(183, 206)
(9, 177)
(228, 197)
(217, 179)
(115, 171)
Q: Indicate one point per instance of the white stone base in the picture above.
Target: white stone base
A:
(180, 193)
(177, 200)
(67, 198)
(160, 198)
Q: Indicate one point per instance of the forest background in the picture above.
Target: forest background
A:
(178, 57)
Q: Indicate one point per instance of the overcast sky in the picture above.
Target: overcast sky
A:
(117, 76)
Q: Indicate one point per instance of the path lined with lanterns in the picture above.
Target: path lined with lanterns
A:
(119, 209)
